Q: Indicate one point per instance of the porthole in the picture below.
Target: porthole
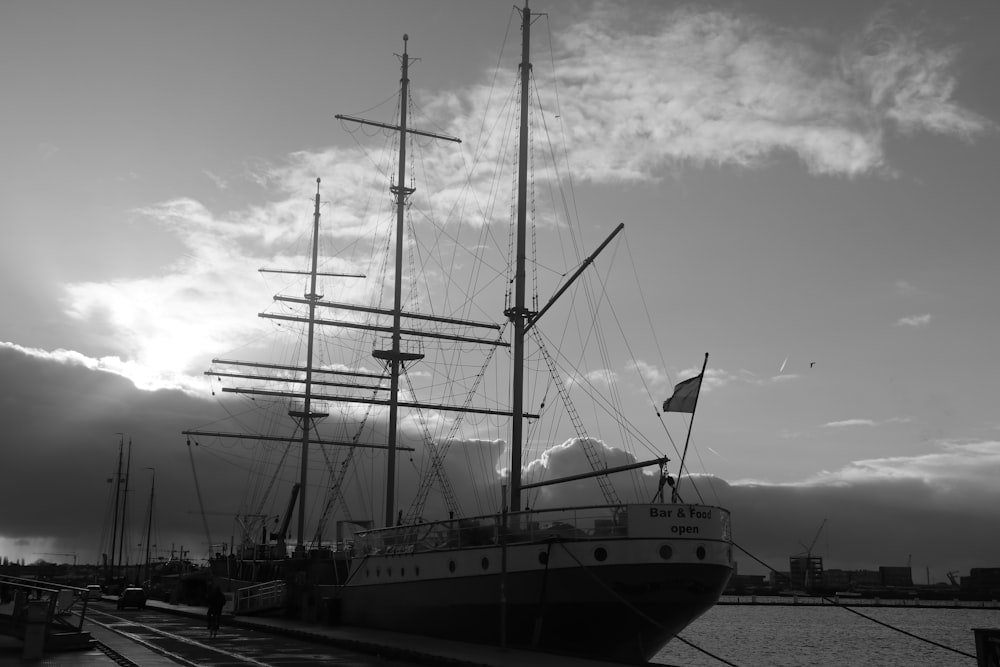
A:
(666, 552)
(378, 572)
(600, 554)
(388, 571)
(486, 563)
(417, 571)
(451, 566)
(402, 571)
(368, 573)
(700, 553)
(543, 557)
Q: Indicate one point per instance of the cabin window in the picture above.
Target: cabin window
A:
(451, 566)
(700, 553)
(666, 552)
(486, 563)
(543, 557)
(600, 554)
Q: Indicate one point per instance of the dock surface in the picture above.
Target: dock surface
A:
(357, 647)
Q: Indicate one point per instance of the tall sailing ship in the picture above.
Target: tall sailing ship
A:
(533, 567)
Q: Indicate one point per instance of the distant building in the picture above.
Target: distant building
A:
(805, 572)
(779, 579)
(982, 581)
(837, 580)
(895, 577)
(867, 578)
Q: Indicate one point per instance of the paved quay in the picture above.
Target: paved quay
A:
(413, 649)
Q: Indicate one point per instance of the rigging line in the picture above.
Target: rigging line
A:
(493, 85)
(601, 400)
(438, 248)
(602, 344)
(641, 614)
(656, 342)
(864, 616)
(335, 492)
(434, 468)
(558, 174)
(420, 499)
(394, 97)
(201, 504)
(586, 442)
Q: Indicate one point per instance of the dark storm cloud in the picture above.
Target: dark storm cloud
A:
(869, 523)
(60, 446)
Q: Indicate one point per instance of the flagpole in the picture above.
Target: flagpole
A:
(694, 408)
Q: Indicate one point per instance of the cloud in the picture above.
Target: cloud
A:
(219, 181)
(908, 82)
(956, 465)
(915, 321)
(867, 422)
(737, 90)
(652, 375)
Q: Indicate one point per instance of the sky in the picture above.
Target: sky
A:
(808, 192)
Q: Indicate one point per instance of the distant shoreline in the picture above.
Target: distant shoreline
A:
(851, 601)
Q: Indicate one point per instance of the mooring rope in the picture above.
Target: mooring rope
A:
(638, 611)
(837, 603)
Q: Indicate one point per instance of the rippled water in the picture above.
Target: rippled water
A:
(792, 636)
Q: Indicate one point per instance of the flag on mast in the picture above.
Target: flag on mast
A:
(685, 396)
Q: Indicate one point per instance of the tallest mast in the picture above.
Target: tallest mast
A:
(518, 314)
(401, 192)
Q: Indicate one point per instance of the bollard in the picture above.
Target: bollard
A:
(36, 625)
(987, 647)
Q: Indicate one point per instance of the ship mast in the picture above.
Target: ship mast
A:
(518, 315)
(396, 356)
(306, 416)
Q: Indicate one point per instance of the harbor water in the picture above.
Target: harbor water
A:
(770, 635)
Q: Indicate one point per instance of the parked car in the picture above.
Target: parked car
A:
(132, 597)
(94, 592)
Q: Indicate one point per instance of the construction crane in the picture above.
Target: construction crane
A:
(72, 555)
(952, 579)
(808, 552)
(811, 568)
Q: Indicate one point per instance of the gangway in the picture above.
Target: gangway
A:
(47, 616)
(260, 598)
